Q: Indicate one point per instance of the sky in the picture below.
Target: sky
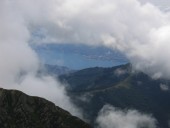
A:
(140, 31)
(79, 56)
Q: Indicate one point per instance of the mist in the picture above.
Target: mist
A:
(111, 117)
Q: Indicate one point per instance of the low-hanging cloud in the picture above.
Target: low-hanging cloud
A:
(110, 117)
(19, 64)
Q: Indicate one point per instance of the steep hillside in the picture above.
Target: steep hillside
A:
(18, 110)
(121, 87)
(96, 78)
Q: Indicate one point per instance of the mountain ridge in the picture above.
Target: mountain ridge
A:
(19, 110)
(121, 87)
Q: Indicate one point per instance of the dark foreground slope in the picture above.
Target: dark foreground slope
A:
(18, 110)
(121, 87)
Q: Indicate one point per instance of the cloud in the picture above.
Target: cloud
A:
(138, 30)
(164, 87)
(119, 72)
(19, 64)
(110, 117)
(162, 4)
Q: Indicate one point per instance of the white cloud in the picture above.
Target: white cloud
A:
(140, 31)
(110, 117)
(164, 87)
(119, 72)
(19, 64)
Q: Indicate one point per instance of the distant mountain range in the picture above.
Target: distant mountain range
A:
(121, 87)
(18, 110)
(57, 70)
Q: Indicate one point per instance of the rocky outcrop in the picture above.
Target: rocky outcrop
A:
(18, 110)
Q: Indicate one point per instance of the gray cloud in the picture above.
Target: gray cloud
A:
(162, 4)
(110, 117)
